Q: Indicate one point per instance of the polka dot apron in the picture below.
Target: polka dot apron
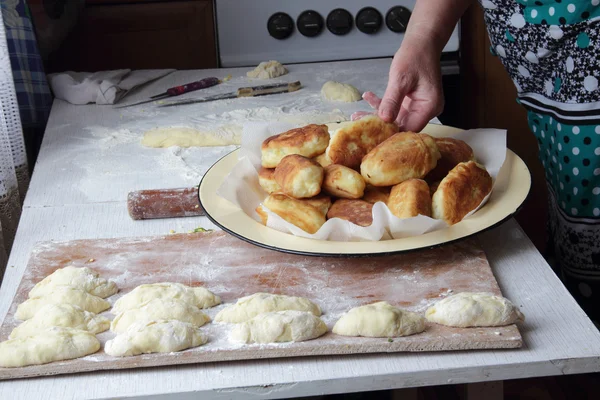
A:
(551, 49)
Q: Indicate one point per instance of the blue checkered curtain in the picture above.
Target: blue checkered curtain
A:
(33, 92)
(25, 102)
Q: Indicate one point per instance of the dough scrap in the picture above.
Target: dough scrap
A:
(249, 307)
(61, 315)
(279, 326)
(155, 337)
(197, 296)
(267, 70)
(82, 278)
(337, 91)
(379, 320)
(59, 295)
(468, 309)
(189, 137)
(160, 310)
(53, 344)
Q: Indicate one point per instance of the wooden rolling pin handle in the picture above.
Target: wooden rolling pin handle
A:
(164, 203)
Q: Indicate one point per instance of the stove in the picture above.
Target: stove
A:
(251, 31)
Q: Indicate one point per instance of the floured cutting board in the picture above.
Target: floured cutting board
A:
(232, 269)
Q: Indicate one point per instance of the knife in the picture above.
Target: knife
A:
(241, 92)
(177, 90)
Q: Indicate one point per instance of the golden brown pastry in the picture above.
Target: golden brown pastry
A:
(403, 156)
(351, 143)
(299, 177)
(296, 212)
(321, 202)
(452, 151)
(267, 180)
(373, 194)
(343, 182)
(410, 198)
(358, 212)
(463, 189)
(309, 141)
(323, 159)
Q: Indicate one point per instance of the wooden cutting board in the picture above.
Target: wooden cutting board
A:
(232, 268)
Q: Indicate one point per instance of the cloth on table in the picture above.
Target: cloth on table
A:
(104, 87)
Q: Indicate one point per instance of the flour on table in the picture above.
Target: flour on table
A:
(337, 91)
(267, 70)
(190, 137)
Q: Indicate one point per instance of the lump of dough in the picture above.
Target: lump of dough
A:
(337, 91)
(343, 182)
(190, 137)
(61, 315)
(403, 156)
(308, 141)
(155, 337)
(267, 181)
(82, 278)
(469, 309)
(53, 344)
(461, 191)
(379, 320)
(410, 198)
(305, 214)
(59, 295)
(299, 177)
(267, 70)
(196, 296)
(279, 326)
(352, 141)
(159, 310)
(249, 307)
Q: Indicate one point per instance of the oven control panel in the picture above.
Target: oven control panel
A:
(291, 31)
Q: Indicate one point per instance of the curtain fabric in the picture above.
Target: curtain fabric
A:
(13, 160)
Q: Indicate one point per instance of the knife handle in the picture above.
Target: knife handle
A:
(268, 89)
(190, 87)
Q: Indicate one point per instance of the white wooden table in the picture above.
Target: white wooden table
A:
(79, 189)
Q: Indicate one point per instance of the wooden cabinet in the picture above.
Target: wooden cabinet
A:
(489, 101)
(140, 35)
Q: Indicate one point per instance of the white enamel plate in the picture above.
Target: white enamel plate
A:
(510, 191)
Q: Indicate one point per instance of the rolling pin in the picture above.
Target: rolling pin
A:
(164, 203)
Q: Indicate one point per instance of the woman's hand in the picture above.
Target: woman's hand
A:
(414, 92)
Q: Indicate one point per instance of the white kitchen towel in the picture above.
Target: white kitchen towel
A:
(104, 87)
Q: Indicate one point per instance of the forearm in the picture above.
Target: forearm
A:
(432, 22)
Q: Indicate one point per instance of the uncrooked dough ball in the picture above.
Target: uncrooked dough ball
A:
(267, 70)
(337, 91)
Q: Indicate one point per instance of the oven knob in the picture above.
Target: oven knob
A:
(339, 21)
(368, 20)
(397, 19)
(310, 23)
(280, 25)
